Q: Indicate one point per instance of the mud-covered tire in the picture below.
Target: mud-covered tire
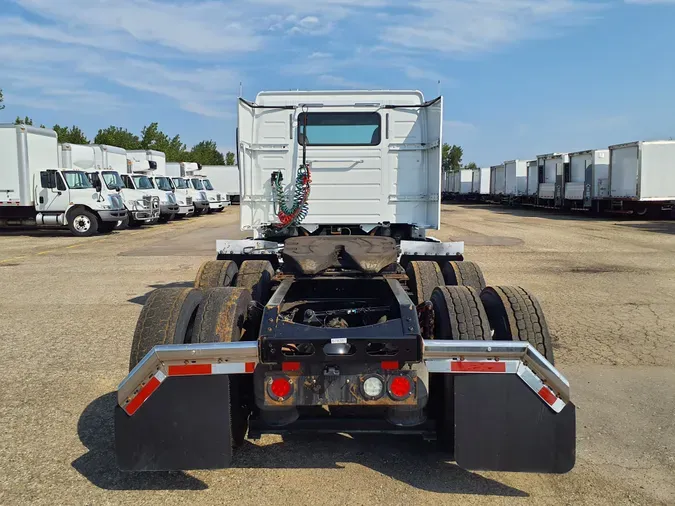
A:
(166, 318)
(221, 318)
(463, 274)
(256, 276)
(423, 277)
(216, 273)
(515, 315)
(459, 314)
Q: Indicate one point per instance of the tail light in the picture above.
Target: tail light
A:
(280, 388)
(400, 387)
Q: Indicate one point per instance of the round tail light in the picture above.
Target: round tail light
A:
(400, 387)
(280, 388)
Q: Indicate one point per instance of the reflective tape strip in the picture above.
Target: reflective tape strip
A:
(473, 366)
(146, 391)
(537, 385)
(480, 367)
(233, 368)
(189, 369)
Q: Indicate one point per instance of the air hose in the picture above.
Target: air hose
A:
(297, 212)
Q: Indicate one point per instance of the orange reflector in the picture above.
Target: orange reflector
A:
(145, 392)
(546, 394)
(189, 370)
(390, 365)
(290, 366)
(478, 366)
(250, 366)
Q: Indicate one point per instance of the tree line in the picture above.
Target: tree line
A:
(204, 152)
(452, 158)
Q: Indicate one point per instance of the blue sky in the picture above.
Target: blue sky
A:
(519, 77)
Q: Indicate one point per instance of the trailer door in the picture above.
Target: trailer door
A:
(624, 172)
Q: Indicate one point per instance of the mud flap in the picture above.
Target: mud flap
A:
(502, 425)
(183, 425)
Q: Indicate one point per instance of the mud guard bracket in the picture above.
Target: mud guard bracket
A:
(184, 425)
(501, 425)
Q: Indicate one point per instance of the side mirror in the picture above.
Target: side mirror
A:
(98, 187)
(118, 189)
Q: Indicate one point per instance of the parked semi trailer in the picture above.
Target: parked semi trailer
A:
(587, 182)
(36, 192)
(497, 182)
(552, 170)
(532, 188)
(340, 314)
(225, 179)
(641, 177)
(515, 180)
(484, 182)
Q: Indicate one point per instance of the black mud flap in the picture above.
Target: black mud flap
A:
(502, 425)
(183, 425)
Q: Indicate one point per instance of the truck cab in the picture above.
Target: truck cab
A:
(184, 203)
(138, 178)
(141, 206)
(217, 200)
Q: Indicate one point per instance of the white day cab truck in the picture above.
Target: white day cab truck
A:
(177, 171)
(35, 191)
(198, 181)
(340, 314)
(139, 176)
(111, 162)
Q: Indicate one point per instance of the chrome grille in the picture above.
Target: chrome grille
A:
(188, 201)
(218, 197)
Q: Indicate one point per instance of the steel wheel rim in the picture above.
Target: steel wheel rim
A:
(82, 223)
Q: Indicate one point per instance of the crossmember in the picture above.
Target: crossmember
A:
(447, 357)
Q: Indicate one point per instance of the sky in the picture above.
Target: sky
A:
(518, 77)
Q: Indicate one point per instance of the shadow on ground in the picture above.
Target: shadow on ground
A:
(660, 227)
(180, 284)
(406, 459)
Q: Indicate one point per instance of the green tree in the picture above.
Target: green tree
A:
(73, 135)
(452, 157)
(2, 99)
(471, 166)
(117, 136)
(153, 138)
(229, 158)
(206, 153)
(24, 121)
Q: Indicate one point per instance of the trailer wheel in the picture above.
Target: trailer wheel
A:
(256, 275)
(459, 314)
(221, 318)
(463, 274)
(167, 317)
(423, 277)
(216, 273)
(515, 315)
(82, 222)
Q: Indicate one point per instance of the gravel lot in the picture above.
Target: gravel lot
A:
(70, 306)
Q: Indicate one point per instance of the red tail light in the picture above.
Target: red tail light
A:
(280, 388)
(400, 387)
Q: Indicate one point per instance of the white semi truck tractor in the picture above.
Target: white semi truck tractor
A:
(36, 191)
(340, 314)
(198, 181)
(178, 174)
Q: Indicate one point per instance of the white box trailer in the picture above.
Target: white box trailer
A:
(465, 181)
(374, 156)
(36, 191)
(643, 171)
(77, 156)
(515, 176)
(552, 168)
(532, 178)
(588, 178)
(111, 158)
(225, 179)
(497, 180)
(484, 180)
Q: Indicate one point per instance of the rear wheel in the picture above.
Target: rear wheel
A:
(216, 273)
(167, 317)
(463, 274)
(515, 315)
(423, 278)
(256, 275)
(221, 317)
(458, 315)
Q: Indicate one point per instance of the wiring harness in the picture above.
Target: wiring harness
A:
(297, 212)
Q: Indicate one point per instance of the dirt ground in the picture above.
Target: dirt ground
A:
(70, 305)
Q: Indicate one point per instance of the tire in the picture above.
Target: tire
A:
(423, 277)
(134, 223)
(463, 274)
(106, 227)
(221, 317)
(256, 276)
(216, 273)
(82, 222)
(459, 314)
(123, 225)
(515, 315)
(166, 318)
